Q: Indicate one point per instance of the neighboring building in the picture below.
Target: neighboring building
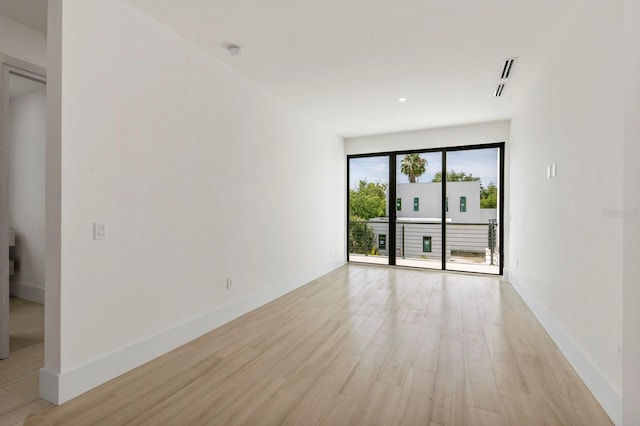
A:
(419, 231)
(423, 200)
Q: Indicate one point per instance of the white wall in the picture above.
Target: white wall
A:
(199, 174)
(22, 42)
(49, 386)
(566, 249)
(631, 221)
(469, 134)
(27, 144)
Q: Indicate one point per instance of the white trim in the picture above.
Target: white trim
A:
(602, 390)
(49, 386)
(59, 388)
(28, 292)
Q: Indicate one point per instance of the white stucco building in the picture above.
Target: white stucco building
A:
(418, 216)
(423, 200)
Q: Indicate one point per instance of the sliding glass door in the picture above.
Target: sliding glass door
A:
(436, 209)
(419, 210)
(472, 226)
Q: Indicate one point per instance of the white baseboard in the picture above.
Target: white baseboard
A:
(49, 386)
(61, 387)
(597, 383)
(27, 292)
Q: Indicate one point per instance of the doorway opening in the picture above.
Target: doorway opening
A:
(22, 207)
(434, 208)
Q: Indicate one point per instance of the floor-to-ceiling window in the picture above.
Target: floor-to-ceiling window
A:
(436, 208)
(472, 182)
(419, 221)
(368, 217)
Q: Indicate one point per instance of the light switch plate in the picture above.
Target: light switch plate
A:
(99, 231)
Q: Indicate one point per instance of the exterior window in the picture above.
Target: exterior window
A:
(463, 204)
(426, 244)
(446, 204)
(382, 242)
(416, 204)
(398, 204)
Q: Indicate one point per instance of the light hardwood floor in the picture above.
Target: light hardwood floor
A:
(362, 345)
(26, 324)
(19, 373)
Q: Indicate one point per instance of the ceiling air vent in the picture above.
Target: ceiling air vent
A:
(506, 73)
(506, 68)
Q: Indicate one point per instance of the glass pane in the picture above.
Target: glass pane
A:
(472, 216)
(419, 212)
(368, 209)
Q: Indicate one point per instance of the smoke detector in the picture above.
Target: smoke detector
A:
(234, 50)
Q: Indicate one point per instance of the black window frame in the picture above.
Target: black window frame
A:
(391, 240)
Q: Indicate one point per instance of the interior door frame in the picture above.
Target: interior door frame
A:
(8, 66)
(392, 196)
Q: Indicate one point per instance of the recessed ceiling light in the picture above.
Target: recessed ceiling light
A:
(402, 99)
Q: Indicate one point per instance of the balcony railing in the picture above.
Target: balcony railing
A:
(422, 240)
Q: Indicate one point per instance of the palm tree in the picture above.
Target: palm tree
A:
(413, 166)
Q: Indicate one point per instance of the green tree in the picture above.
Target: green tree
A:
(361, 237)
(489, 197)
(413, 166)
(368, 200)
(454, 176)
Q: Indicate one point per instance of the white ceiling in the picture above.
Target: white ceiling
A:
(346, 62)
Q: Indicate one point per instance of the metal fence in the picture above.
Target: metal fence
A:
(423, 240)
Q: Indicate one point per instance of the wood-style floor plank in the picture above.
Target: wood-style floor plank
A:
(397, 363)
(26, 324)
(361, 345)
(314, 404)
(19, 373)
(481, 390)
(425, 355)
(415, 403)
(381, 405)
(343, 410)
(505, 366)
(449, 400)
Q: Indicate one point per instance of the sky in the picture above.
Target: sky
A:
(482, 163)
